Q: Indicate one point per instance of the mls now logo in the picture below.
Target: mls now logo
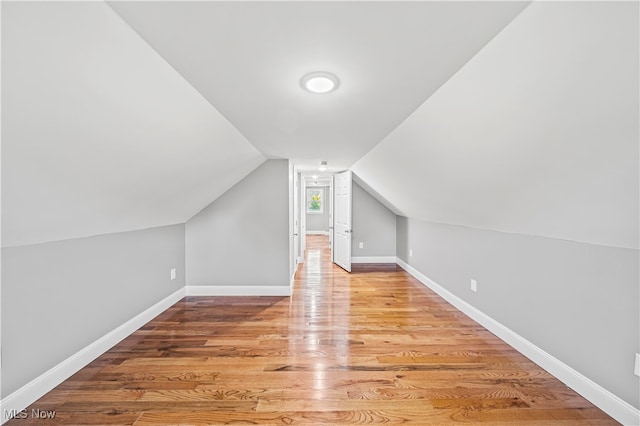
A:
(24, 414)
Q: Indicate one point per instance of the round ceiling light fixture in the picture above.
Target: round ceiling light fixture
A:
(320, 82)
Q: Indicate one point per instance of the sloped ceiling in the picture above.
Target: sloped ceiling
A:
(107, 131)
(99, 133)
(247, 59)
(112, 126)
(537, 134)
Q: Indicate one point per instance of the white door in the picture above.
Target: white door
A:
(342, 220)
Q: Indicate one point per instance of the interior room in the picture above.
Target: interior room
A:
(423, 212)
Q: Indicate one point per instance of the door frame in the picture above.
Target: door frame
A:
(343, 219)
(306, 181)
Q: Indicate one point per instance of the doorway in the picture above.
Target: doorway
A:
(325, 210)
(342, 220)
(316, 210)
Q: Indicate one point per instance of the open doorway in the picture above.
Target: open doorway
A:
(316, 210)
(325, 210)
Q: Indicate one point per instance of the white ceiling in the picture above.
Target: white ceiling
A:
(247, 58)
(100, 134)
(113, 125)
(537, 134)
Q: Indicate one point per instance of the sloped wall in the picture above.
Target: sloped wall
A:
(242, 238)
(537, 134)
(522, 172)
(99, 133)
(106, 152)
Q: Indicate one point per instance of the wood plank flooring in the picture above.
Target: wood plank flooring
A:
(370, 347)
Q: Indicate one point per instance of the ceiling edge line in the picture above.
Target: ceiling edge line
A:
(444, 83)
(108, 3)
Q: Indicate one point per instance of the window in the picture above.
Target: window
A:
(315, 200)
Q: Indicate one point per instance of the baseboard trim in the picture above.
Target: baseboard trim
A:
(317, 232)
(239, 290)
(373, 259)
(614, 406)
(35, 389)
(602, 398)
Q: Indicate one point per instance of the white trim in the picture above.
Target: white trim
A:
(373, 259)
(611, 404)
(317, 232)
(35, 389)
(239, 290)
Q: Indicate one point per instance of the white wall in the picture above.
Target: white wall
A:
(522, 172)
(59, 297)
(105, 148)
(537, 134)
(242, 238)
(99, 133)
(373, 224)
(578, 302)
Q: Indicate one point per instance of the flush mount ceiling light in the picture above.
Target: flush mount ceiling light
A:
(320, 82)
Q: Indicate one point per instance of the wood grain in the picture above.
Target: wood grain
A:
(370, 347)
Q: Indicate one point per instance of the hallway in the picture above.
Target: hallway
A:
(370, 347)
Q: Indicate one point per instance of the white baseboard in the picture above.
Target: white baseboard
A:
(35, 389)
(373, 259)
(317, 232)
(614, 406)
(238, 290)
(602, 398)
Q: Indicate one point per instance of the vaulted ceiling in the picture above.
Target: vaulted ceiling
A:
(500, 115)
(247, 59)
(538, 134)
(99, 133)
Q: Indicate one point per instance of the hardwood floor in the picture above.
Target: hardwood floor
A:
(370, 347)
